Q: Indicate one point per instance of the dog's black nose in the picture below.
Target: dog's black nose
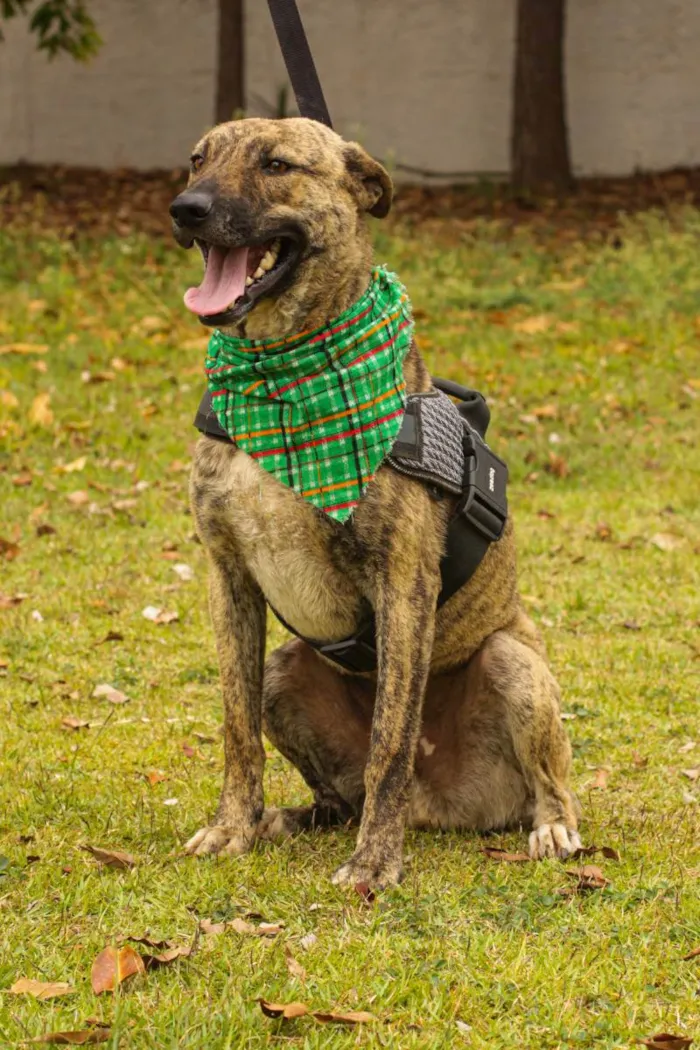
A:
(191, 207)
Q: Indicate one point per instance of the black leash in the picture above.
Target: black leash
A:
(299, 60)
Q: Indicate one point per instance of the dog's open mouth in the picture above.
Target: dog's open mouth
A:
(235, 277)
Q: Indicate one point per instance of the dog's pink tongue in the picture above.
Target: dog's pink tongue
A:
(224, 281)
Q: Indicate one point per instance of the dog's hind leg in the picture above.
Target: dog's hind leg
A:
(320, 720)
(518, 679)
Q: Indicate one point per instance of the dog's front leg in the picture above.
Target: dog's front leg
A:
(238, 614)
(405, 614)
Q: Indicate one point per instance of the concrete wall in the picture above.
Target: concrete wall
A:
(426, 82)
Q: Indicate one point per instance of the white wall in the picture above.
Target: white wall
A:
(426, 82)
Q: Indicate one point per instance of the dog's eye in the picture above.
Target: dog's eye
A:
(196, 161)
(278, 167)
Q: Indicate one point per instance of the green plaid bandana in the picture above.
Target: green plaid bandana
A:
(319, 410)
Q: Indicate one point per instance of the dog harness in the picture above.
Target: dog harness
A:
(440, 444)
(319, 410)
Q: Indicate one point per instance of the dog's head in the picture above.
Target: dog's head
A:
(276, 207)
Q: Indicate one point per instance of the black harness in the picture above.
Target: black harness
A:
(442, 445)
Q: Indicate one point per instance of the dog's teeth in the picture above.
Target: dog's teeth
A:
(267, 261)
(248, 281)
(258, 273)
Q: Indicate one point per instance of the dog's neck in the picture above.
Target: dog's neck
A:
(326, 285)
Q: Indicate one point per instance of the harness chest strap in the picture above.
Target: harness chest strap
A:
(442, 445)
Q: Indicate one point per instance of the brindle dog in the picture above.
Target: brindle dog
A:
(460, 727)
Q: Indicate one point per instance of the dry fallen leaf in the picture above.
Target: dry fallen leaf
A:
(152, 962)
(24, 348)
(81, 1038)
(113, 966)
(111, 858)
(41, 989)
(114, 696)
(589, 851)
(308, 941)
(287, 1011)
(692, 955)
(8, 549)
(601, 779)
(156, 615)
(533, 325)
(74, 723)
(155, 777)
(350, 1017)
(666, 1041)
(365, 891)
(79, 498)
(295, 968)
(73, 467)
(8, 601)
(40, 412)
(603, 532)
(212, 928)
(666, 541)
(589, 877)
(691, 774)
(557, 466)
(503, 855)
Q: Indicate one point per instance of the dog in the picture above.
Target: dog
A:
(460, 727)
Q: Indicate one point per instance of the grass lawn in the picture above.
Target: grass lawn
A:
(589, 355)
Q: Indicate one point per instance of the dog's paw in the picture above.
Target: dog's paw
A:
(553, 840)
(277, 824)
(219, 839)
(378, 874)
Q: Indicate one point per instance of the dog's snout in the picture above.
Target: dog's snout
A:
(191, 207)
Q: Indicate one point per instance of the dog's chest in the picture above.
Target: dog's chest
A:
(243, 511)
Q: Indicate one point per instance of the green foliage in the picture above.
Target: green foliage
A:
(608, 338)
(60, 26)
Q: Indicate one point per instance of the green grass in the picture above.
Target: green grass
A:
(595, 407)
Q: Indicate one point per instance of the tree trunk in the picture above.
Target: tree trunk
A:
(230, 89)
(539, 142)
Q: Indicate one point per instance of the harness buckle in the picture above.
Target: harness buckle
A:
(354, 654)
(484, 502)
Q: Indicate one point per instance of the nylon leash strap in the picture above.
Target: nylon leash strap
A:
(299, 60)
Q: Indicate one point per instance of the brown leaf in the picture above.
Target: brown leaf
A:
(8, 549)
(205, 738)
(603, 532)
(74, 723)
(640, 761)
(212, 928)
(546, 412)
(152, 962)
(351, 1017)
(113, 966)
(503, 855)
(295, 968)
(111, 858)
(589, 851)
(79, 498)
(366, 892)
(72, 467)
(148, 941)
(692, 955)
(287, 1011)
(557, 466)
(590, 877)
(112, 695)
(666, 1041)
(533, 325)
(44, 529)
(40, 412)
(691, 774)
(155, 777)
(666, 541)
(8, 601)
(24, 348)
(111, 636)
(601, 779)
(21, 481)
(41, 989)
(82, 1038)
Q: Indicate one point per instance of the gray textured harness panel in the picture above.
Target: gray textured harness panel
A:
(429, 446)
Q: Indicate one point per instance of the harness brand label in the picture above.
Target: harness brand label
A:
(492, 479)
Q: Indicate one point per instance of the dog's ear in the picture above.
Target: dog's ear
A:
(371, 184)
